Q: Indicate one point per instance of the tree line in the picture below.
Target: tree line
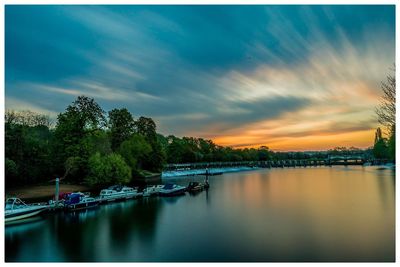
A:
(87, 145)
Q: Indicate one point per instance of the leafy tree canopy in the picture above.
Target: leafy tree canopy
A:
(121, 125)
(107, 170)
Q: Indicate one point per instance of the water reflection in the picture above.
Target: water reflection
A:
(302, 214)
(386, 184)
(172, 200)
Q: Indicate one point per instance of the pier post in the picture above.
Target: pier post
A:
(57, 190)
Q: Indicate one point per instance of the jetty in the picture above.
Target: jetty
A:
(328, 161)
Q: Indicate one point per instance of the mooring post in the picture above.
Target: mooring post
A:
(57, 190)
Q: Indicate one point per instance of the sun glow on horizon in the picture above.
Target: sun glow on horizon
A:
(360, 139)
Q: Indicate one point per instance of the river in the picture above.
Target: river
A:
(290, 214)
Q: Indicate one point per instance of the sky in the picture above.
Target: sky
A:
(289, 77)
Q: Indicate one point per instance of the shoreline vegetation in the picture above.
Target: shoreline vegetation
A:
(89, 147)
(86, 145)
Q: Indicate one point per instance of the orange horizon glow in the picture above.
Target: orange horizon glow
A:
(321, 142)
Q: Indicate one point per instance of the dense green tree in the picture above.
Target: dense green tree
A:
(378, 135)
(135, 151)
(107, 170)
(81, 119)
(392, 144)
(263, 153)
(156, 158)
(174, 150)
(11, 172)
(189, 149)
(121, 125)
(163, 141)
(380, 148)
(207, 148)
(154, 161)
(28, 147)
(147, 128)
(97, 141)
(14, 141)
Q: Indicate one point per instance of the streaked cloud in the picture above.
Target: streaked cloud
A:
(241, 75)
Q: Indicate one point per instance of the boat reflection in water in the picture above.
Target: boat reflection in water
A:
(23, 226)
(80, 215)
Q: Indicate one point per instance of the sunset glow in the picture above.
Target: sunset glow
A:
(291, 78)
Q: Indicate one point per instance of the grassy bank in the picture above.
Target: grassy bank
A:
(43, 191)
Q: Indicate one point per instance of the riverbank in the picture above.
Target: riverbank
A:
(43, 191)
(46, 192)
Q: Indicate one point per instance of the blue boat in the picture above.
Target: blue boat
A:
(79, 201)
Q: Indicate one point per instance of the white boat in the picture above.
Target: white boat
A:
(117, 193)
(16, 209)
(130, 192)
(152, 190)
(172, 190)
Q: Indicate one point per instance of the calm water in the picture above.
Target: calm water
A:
(308, 214)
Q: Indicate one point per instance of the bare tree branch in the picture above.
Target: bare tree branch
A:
(386, 110)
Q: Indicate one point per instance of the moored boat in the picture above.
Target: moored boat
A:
(114, 193)
(79, 201)
(195, 187)
(152, 190)
(130, 192)
(16, 209)
(172, 190)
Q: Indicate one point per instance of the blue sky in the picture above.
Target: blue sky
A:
(241, 75)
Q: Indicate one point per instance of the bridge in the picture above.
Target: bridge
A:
(329, 161)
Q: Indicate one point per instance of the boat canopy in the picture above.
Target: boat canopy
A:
(73, 198)
(168, 186)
